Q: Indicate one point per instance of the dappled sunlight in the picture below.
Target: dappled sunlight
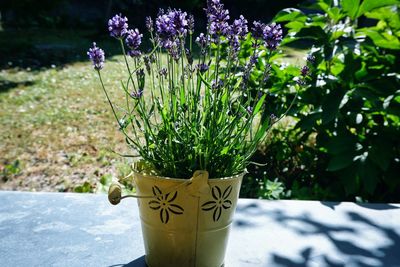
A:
(306, 233)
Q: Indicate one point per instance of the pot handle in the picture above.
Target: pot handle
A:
(198, 184)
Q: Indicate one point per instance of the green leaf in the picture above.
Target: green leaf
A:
(388, 14)
(225, 150)
(85, 188)
(106, 179)
(313, 32)
(337, 34)
(381, 153)
(342, 144)
(350, 7)
(341, 161)
(381, 39)
(349, 179)
(335, 14)
(259, 105)
(294, 26)
(369, 175)
(261, 132)
(290, 14)
(330, 106)
(323, 5)
(362, 72)
(369, 5)
(309, 121)
(337, 67)
(182, 97)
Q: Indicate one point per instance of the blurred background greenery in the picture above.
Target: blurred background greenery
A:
(339, 142)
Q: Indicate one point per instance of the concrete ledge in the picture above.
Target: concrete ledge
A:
(65, 229)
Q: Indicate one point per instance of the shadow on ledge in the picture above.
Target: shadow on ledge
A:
(355, 237)
(139, 262)
(356, 253)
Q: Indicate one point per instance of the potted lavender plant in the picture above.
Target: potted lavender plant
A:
(193, 124)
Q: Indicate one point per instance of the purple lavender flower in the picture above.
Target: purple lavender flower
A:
(202, 67)
(147, 63)
(149, 24)
(137, 94)
(247, 70)
(173, 49)
(118, 26)
(258, 29)
(140, 79)
(239, 27)
(234, 45)
(266, 74)
(170, 26)
(163, 72)
(300, 81)
(253, 60)
(311, 59)
(96, 55)
(217, 18)
(134, 53)
(164, 28)
(133, 39)
(203, 41)
(273, 118)
(272, 35)
(189, 56)
(217, 85)
(140, 73)
(153, 58)
(179, 21)
(190, 21)
(304, 71)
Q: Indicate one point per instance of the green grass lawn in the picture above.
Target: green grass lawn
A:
(56, 128)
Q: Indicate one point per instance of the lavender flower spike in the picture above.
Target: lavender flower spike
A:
(136, 95)
(217, 18)
(304, 71)
(118, 26)
(239, 27)
(202, 40)
(190, 22)
(258, 29)
(272, 35)
(133, 39)
(180, 21)
(96, 55)
(202, 67)
(149, 24)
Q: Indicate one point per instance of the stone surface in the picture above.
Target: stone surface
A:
(64, 229)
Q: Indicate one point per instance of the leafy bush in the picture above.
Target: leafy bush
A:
(348, 119)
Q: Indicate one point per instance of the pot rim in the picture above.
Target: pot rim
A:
(185, 179)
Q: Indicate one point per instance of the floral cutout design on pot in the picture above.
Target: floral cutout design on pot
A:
(219, 203)
(164, 203)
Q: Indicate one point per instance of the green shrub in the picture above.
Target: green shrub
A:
(347, 121)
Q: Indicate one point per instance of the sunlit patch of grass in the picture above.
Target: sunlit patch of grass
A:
(59, 126)
(293, 56)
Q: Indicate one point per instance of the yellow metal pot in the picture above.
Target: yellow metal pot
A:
(186, 222)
